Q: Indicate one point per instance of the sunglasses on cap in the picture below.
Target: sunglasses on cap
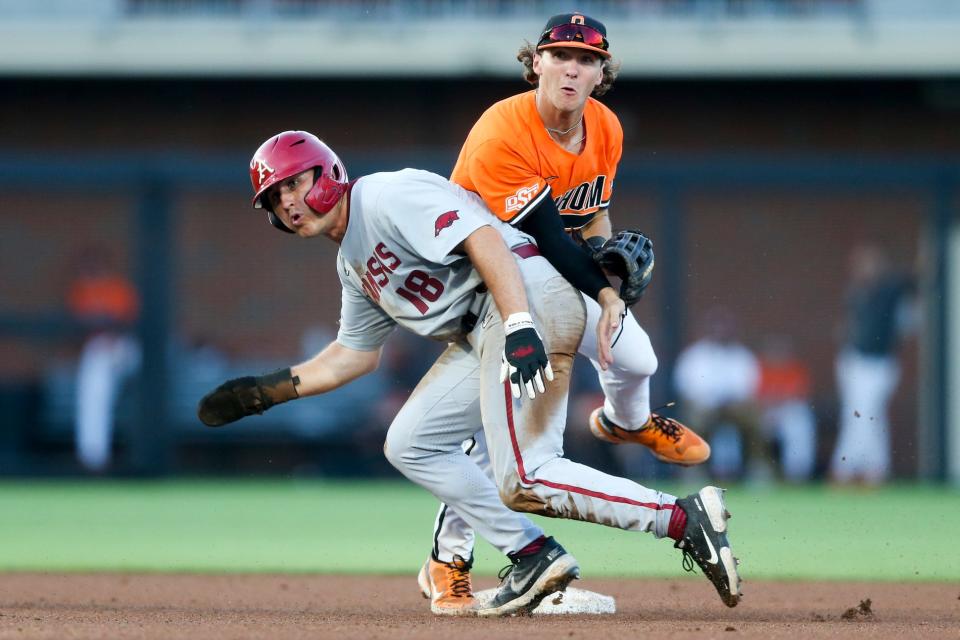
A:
(574, 33)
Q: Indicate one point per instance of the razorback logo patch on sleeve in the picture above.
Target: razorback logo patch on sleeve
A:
(443, 221)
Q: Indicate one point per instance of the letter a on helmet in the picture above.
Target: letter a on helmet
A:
(292, 152)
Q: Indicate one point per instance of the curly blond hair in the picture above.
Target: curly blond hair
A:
(610, 69)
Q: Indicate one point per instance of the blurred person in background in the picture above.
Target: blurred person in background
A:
(878, 314)
(787, 417)
(717, 378)
(106, 305)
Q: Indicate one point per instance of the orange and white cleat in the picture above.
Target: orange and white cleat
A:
(667, 439)
(447, 585)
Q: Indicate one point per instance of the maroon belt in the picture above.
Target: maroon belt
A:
(525, 251)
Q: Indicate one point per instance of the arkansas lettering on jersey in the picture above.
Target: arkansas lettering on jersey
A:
(402, 257)
(418, 288)
(379, 266)
(511, 161)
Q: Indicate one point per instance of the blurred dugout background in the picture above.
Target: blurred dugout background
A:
(764, 140)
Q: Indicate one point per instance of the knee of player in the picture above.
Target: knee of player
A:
(517, 498)
(397, 450)
(511, 501)
(635, 368)
(561, 363)
(651, 364)
(633, 354)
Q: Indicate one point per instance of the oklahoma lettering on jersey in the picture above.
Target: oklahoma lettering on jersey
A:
(585, 196)
(511, 161)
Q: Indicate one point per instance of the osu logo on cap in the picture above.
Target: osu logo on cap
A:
(444, 220)
(264, 171)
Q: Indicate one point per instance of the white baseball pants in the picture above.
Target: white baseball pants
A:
(626, 383)
(866, 384)
(106, 359)
(524, 439)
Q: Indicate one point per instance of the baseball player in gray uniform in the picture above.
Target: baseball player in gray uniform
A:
(420, 252)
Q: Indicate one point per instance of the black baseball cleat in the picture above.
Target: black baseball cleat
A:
(530, 579)
(704, 541)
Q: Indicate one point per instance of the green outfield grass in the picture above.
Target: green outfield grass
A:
(898, 533)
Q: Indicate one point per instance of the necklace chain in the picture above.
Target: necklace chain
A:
(563, 132)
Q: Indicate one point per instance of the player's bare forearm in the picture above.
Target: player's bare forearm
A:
(599, 226)
(240, 397)
(332, 368)
(609, 298)
(524, 361)
(612, 307)
(493, 261)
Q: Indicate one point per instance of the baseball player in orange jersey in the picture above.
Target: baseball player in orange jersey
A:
(545, 161)
(420, 252)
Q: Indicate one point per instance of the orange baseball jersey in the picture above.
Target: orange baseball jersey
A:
(513, 163)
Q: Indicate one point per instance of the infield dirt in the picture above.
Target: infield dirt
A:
(59, 606)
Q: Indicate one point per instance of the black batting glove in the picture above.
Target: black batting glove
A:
(524, 359)
(246, 396)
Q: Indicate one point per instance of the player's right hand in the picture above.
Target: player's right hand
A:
(246, 396)
(612, 312)
(524, 359)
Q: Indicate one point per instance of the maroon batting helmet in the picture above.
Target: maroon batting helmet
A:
(289, 153)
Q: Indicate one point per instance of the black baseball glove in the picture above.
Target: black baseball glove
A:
(629, 256)
(246, 396)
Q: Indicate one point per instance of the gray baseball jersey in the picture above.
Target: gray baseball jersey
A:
(398, 261)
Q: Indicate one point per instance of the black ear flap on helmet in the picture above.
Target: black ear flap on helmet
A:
(275, 221)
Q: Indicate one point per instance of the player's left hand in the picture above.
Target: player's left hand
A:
(246, 396)
(629, 256)
(524, 359)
